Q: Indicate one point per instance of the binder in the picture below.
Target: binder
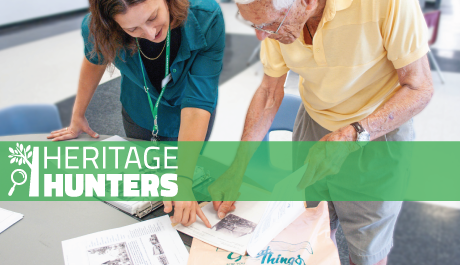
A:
(138, 209)
(145, 210)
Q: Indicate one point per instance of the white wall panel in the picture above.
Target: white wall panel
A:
(13, 11)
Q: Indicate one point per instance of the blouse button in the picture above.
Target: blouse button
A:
(174, 70)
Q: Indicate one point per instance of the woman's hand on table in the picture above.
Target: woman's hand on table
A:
(77, 126)
(186, 212)
(225, 190)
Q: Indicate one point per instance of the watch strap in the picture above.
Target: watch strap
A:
(358, 127)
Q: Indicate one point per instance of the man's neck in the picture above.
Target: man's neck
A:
(315, 18)
(311, 25)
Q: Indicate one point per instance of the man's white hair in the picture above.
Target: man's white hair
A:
(278, 4)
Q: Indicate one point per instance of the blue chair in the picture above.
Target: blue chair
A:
(29, 119)
(285, 117)
(260, 163)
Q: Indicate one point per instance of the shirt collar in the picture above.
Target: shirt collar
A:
(342, 4)
(332, 6)
(192, 31)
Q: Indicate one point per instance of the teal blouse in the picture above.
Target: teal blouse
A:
(195, 71)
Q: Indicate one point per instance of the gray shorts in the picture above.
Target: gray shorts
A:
(368, 225)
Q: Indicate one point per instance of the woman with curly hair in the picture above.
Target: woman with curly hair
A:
(169, 53)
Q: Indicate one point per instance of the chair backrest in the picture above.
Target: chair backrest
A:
(285, 117)
(28, 119)
(284, 120)
(432, 21)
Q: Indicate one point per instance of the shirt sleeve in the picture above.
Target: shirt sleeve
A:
(94, 58)
(272, 59)
(405, 32)
(203, 77)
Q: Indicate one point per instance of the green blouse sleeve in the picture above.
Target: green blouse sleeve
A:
(203, 77)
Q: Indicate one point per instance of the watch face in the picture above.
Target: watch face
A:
(364, 137)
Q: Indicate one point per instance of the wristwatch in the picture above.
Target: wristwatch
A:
(363, 136)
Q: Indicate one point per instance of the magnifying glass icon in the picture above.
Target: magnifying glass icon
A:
(24, 175)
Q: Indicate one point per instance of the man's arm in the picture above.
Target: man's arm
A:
(411, 99)
(408, 101)
(263, 108)
(261, 113)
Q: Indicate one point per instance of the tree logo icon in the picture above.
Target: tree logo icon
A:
(21, 155)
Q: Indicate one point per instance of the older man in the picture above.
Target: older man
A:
(363, 75)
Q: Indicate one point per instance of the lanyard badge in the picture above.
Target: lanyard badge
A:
(154, 108)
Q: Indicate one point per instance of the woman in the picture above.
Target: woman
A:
(141, 37)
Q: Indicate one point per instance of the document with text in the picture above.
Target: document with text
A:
(152, 242)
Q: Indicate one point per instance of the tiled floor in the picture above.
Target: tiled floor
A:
(40, 64)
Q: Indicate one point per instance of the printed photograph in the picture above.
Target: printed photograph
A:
(234, 226)
(163, 260)
(116, 254)
(157, 248)
(154, 239)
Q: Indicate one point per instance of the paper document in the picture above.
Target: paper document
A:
(8, 218)
(277, 216)
(115, 138)
(232, 233)
(152, 242)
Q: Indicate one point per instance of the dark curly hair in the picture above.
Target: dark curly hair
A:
(108, 37)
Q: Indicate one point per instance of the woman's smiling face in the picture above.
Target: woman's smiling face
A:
(148, 20)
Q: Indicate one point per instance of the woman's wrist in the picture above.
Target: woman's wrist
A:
(184, 181)
(184, 177)
(78, 113)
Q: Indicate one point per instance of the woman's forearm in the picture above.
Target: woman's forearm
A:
(194, 124)
(90, 76)
(192, 133)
